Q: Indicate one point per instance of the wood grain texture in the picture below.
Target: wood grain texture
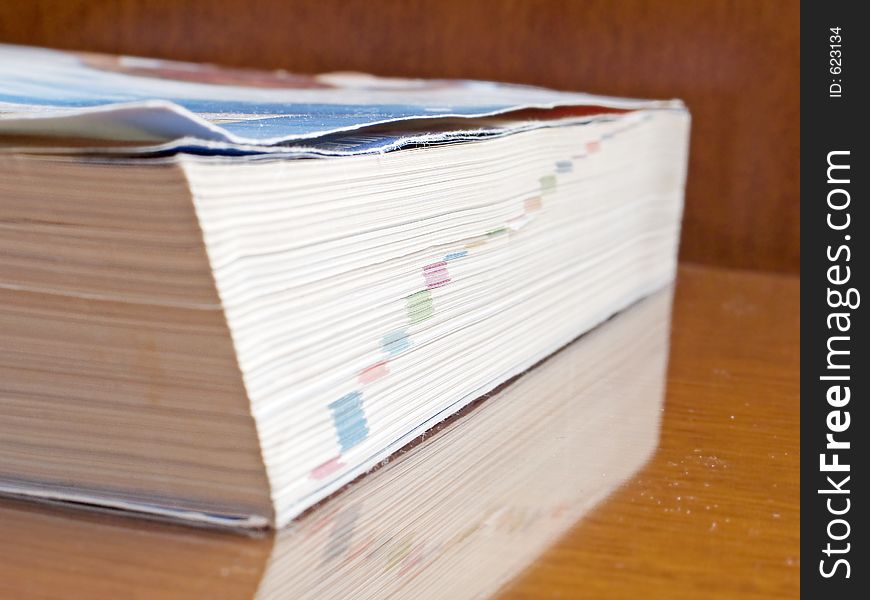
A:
(716, 512)
(735, 63)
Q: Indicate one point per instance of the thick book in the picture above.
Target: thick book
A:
(226, 294)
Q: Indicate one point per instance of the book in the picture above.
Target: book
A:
(224, 294)
(494, 487)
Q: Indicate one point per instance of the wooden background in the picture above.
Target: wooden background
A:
(734, 62)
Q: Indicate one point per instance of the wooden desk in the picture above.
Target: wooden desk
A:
(714, 513)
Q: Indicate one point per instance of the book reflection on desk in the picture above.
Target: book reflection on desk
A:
(457, 515)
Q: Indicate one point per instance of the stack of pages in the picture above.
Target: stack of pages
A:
(492, 488)
(226, 294)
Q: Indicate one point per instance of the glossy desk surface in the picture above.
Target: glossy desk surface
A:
(679, 483)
